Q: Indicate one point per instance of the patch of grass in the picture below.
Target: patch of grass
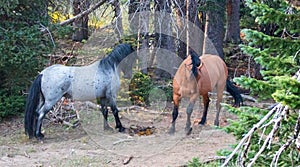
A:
(81, 161)
(195, 162)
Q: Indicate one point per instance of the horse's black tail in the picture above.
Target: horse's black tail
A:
(32, 103)
(238, 100)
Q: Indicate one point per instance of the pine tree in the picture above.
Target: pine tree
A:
(278, 52)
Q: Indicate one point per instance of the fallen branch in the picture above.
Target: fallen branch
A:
(271, 134)
(127, 160)
(249, 134)
(82, 14)
(122, 141)
(289, 142)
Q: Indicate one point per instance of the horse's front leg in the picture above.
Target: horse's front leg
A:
(176, 101)
(189, 111)
(206, 104)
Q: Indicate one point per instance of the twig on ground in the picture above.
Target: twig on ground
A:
(122, 141)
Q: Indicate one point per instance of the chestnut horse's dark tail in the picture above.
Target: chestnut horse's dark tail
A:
(238, 100)
(32, 103)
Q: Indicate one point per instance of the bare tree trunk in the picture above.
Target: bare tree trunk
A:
(118, 15)
(164, 41)
(214, 28)
(180, 9)
(80, 24)
(196, 36)
(133, 16)
(143, 33)
(233, 21)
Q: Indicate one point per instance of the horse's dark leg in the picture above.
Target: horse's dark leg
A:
(176, 100)
(206, 104)
(174, 117)
(117, 119)
(189, 112)
(104, 110)
(40, 116)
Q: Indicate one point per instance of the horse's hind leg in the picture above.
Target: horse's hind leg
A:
(206, 104)
(115, 111)
(40, 116)
(104, 110)
(218, 103)
(117, 119)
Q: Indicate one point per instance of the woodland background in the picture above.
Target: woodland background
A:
(263, 33)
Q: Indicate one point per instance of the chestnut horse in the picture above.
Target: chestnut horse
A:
(196, 77)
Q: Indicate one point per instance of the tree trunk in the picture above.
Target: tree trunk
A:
(80, 24)
(196, 36)
(164, 40)
(143, 34)
(214, 28)
(118, 15)
(180, 9)
(133, 18)
(233, 21)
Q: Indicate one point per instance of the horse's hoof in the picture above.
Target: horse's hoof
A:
(201, 123)
(188, 131)
(171, 132)
(39, 137)
(108, 128)
(216, 123)
(122, 129)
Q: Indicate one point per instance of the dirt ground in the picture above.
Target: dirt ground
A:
(90, 145)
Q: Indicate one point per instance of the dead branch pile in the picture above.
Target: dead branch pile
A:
(64, 113)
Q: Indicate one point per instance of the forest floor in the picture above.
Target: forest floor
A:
(90, 145)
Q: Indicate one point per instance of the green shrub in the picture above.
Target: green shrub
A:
(142, 85)
(11, 105)
(139, 87)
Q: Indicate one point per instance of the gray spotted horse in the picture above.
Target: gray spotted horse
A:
(100, 80)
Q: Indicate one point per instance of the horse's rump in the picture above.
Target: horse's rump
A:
(184, 82)
(214, 69)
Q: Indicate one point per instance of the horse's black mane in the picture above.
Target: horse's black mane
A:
(116, 56)
(196, 62)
